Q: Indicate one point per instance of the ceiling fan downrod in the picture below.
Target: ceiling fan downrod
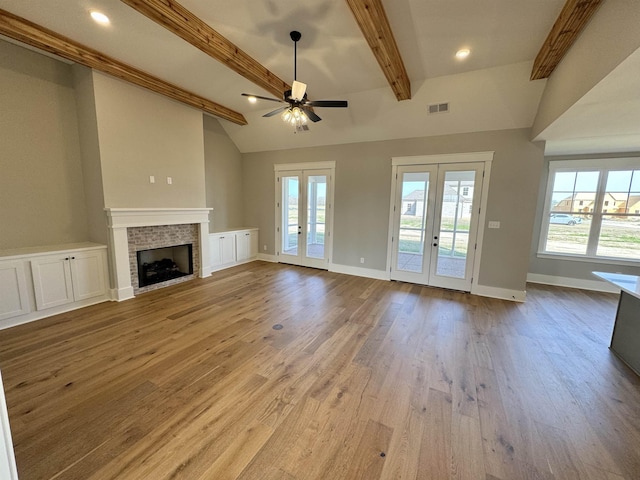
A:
(295, 36)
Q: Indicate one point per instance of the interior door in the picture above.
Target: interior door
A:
(304, 217)
(435, 223)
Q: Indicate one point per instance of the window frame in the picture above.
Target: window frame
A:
(603, 166)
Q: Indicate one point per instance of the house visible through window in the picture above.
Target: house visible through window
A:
(576, 220)
(465, 191)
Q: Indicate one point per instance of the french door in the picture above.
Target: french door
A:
(435, 223)
(304, 212)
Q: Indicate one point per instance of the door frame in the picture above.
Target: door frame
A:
(305, 168)
(471, 157)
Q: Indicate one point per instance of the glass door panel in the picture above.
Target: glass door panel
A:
(412, 223)
(458, 194)
(413, 215)
(316, 215)
(291, 225)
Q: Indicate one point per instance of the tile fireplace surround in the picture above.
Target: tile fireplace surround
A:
(120, 219)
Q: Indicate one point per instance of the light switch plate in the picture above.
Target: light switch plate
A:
(494, 224)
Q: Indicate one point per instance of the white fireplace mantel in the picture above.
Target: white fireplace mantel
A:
(119, 219)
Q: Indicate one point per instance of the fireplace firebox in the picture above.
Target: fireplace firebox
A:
(159, 265)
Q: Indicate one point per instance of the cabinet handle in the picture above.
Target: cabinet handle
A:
(73, 258)
(67, 258)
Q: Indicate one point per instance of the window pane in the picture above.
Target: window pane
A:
(564, 182)
(635, 182)
(568, 233)
(620, 237)
(587, 181)
(619, 181)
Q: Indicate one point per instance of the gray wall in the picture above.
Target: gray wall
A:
(567, 268)
(223, 177)
(142, 133)
(90, 149)
(363, 189)
(41, 184)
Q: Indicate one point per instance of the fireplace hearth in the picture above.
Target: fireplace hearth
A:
(159, 265)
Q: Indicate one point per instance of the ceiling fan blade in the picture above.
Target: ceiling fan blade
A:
(311, 114)
(262, 98)
(328, 103)
(275, 112)
(298, 90)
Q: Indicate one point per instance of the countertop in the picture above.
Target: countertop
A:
(628, 283)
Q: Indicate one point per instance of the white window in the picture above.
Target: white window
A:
(591, 209)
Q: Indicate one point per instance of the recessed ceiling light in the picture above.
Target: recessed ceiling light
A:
(100, 17)
(252, 99)
(463, 53)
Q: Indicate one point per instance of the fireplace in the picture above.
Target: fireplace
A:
(136, 229)
(158, 265)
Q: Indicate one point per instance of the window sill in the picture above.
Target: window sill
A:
(585, 259)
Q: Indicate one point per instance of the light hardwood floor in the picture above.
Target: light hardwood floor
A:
(366, 380)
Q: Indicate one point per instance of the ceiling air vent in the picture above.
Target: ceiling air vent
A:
(439, 108)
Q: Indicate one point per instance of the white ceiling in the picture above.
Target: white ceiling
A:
(491, 88)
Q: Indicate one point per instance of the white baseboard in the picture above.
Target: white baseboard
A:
(267, 258)
(359, 272)
(594, 285)
(40, 314)
(205, 272)
(500, 293)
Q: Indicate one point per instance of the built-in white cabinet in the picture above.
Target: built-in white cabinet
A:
(14, 295)
(68, 277)
(41, 281)
(233, 247)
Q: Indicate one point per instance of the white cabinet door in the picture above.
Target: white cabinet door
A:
(87, 274)
(14, 299)
(243, 244)
(222, 249)
(52, 280)
(228, 248)
(253, 244)
(247, 245)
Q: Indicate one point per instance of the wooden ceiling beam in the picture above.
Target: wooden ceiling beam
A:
(180, 21)
(44, 39)
(373, 22)
(572, 19)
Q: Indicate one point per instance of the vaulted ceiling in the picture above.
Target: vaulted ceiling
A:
(389, 59)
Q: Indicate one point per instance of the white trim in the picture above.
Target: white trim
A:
(500, 293)
(359, 271)
(265, 257)
(482, 223)
(148, 217)
(468, 157)
(594, 285)
(584, 259)
(8, 469)
(278, 167)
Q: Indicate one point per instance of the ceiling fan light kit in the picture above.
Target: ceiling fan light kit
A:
(299, 111)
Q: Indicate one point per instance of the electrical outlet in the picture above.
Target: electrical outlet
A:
(169, 180)
(361, 259)
(264, 247)
(152, 179)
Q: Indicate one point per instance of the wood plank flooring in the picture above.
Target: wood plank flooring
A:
(366, 380)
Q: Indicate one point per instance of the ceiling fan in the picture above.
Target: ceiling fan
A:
(298, 108)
